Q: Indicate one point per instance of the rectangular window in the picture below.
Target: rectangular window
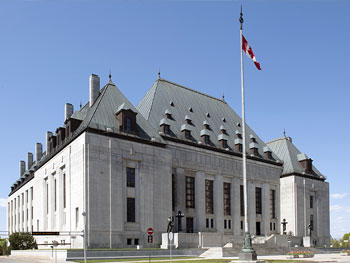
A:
(47, 197)
(55, 194)
(166, 129)
(241, 195)
(212, 223)
(32, 212)
(224, 144)
(206, 139)
(32, 193)
(209, 197)
(187, 134)
(258, 201)
(227, 199)
(311, 201)
(27, 196)
(229, 224)
(189, 224)
(64, 190)
(22, 199)
(130, 177)
(128, 241)
(241, 224)
(190, 192)
(311, 222)
(225, 224)
(173, 190)
(76, 217)
(37, 225)
(136, 241)
(207, 223)
(130, 210)
(273, 203)
(128, 124)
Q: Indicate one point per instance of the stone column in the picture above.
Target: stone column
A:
(200, 201)
(235, 206)
(251, 207)
(266, 209)
(219, 203)
(30, 205)
(180, 188)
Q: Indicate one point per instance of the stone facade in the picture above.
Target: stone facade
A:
(114, 162)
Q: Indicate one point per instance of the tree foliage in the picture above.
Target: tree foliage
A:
(22, 241)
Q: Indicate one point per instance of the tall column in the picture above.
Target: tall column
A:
(235, 206)
(219, 203)
(266, 209)
(30, 205)
(200, 201)
(180, 188)
(251, 207)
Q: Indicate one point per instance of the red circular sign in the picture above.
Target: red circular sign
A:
(150, 231)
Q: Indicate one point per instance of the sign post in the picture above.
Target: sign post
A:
(150, 240)
(171, 237)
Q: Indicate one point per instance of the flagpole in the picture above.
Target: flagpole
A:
(247, 253)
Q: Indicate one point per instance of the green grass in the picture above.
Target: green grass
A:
(185, 260)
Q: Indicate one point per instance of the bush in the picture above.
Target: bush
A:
(22, 241)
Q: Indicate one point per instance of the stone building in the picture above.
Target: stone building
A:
(304, 193)
(130, 168)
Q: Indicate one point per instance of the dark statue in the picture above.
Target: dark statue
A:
(170, 224)
(284, 226)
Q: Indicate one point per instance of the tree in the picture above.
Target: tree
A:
(346, 239)
(22, 241)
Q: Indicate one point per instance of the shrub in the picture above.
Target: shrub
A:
(22, 241)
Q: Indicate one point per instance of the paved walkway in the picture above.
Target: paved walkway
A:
(316, 258)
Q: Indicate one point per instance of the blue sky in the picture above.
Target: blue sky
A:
(48, 49)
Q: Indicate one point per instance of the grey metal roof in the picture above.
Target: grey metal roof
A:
(201, 108)
(288, 153)
(102, 114)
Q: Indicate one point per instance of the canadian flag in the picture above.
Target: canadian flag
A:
(249, 51)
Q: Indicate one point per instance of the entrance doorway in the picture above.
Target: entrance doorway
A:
(258, 228)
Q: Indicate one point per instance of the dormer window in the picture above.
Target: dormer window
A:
(126, 117)
(186, 131)
(252, 138)
(223, 138)
(223, 129)
(305, 162)
(188, 120)
(253, 146)
(168, 114)
(206, 125)
(165, 126)
(268, 153)
(166, 129)
(205, 135)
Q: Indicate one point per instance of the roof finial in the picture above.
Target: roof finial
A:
(223, 96)
(159, 73)
(80, 104)
(110, 75)
(284, 133)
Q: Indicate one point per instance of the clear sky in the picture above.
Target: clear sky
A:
(49, 48)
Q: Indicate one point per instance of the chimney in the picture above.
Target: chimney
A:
(68, 111)
(38, 151)
(29, 160)
(48, 135)
(94, 88)
(22, 168)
